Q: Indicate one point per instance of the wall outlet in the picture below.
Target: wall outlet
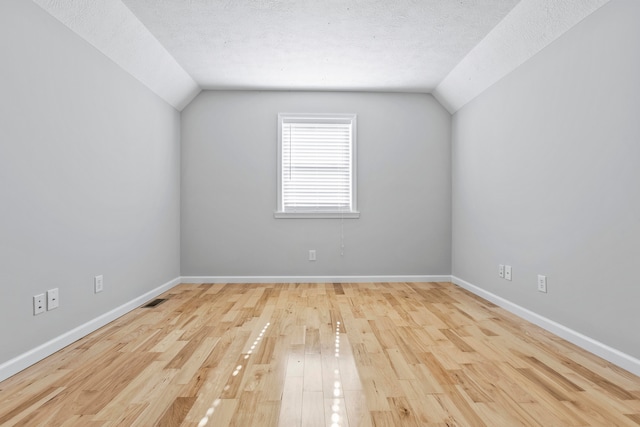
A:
(98, 284)
(52, 299)
(38, 304)
(312, 254)
(507, 272)
(501, 270)
(542, 283)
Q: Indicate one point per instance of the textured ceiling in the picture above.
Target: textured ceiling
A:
(397, 45)
(452, 48)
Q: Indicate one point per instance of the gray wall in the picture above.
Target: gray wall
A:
(229, 188)
(546, 178)
(89, 180)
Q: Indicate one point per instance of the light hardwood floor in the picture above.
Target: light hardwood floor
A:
(365, 354)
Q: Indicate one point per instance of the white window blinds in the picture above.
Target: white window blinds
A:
(317, 164)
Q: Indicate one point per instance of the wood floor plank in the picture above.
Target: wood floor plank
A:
(175, 414)
(312, 372)
(355, 404)
(306, 354)
(634, 417)
(29, 404)
(313, 409)
(291, 407)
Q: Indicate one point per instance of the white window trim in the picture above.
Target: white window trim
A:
(306, 118)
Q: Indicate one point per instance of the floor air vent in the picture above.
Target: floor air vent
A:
(153, 303)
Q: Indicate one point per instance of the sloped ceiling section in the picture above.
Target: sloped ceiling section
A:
(453, 49)
(527, 29)
(114, 30)
(353, 45)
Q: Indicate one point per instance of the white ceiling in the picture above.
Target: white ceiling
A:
(452, 48)
(398, 45)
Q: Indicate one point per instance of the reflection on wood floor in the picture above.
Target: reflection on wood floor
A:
(362, 354)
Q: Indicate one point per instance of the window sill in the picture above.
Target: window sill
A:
(312, 215)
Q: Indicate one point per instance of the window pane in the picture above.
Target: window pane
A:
(317, 162)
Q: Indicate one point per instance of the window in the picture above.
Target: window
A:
(316, 166)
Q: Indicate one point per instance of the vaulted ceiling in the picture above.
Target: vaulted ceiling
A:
(454, 49)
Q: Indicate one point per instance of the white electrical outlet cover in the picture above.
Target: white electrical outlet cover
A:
(501, 270)
(507, 272)
(98, 284)
(52, 299)
(39, 304)
(542, 283)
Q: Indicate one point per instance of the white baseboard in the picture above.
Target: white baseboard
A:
(610, 354)
(313, 279)
(18, 363)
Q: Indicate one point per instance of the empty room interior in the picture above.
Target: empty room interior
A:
(319, 213)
